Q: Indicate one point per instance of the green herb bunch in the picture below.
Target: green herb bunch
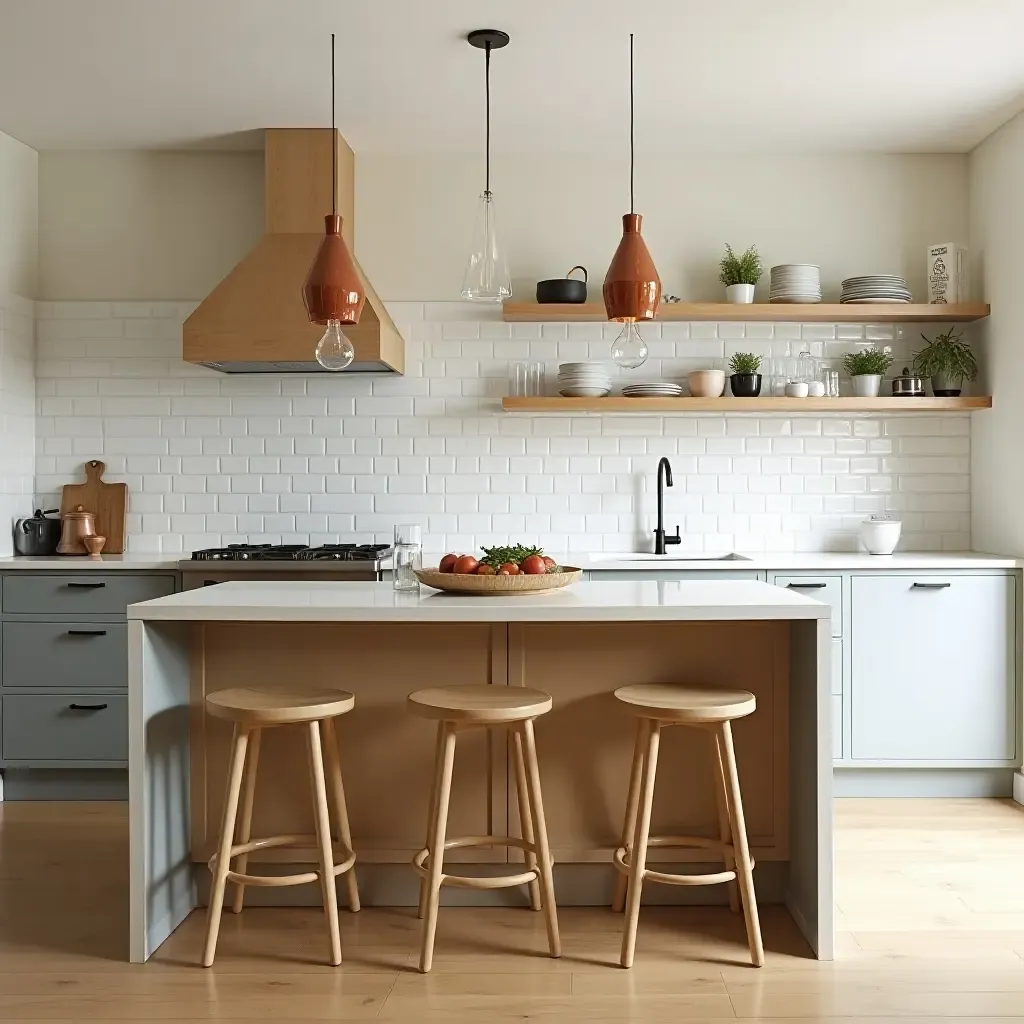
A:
(947, 354)
(868, 360)
(745, 269)
(745, 363)
(500, 554)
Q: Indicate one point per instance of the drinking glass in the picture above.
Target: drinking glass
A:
(407, 556)
(526, 379)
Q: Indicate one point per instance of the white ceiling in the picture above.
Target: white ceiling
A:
(891, 75)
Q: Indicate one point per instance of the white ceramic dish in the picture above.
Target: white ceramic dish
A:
(796, 389)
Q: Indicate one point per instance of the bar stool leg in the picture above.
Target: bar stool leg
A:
(431, 817)
(443, 784)
(227, 830)
(245, 822)
(540, 829)
(330, 743)
(525, 814)
(638, 854)
(739, 832)
(629, 824)
(724, 829)
(322, 819)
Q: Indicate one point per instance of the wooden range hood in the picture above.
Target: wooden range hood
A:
(254, 320)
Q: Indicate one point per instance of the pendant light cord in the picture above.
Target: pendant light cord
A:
(631, 210)
(487, 94)
(334, 141)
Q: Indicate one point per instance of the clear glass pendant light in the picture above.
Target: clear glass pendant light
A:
(487, 278)
(334, 351)
(629, 350)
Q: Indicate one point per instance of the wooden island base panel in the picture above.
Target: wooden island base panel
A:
(585, 747)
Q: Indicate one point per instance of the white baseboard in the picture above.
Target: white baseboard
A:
(1018, 787)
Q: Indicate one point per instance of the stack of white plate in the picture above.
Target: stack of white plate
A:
(796, 282)
(584, 380)
(875, 288)
(652, 389)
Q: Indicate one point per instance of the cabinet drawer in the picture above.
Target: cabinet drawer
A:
(828, 589)
(69, 655)
(933, 668)
(837, 668)
(82, 594)
(65, 727)
(837, 727)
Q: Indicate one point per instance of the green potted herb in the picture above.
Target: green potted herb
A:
(866, 368)
(745, 380)
(947, 359)
(739, 274)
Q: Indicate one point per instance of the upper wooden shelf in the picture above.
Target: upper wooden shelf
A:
(777, 312)
(617, 403)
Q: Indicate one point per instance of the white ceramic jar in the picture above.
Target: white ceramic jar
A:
(880, 534)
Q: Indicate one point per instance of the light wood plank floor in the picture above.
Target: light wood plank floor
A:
(931, 910)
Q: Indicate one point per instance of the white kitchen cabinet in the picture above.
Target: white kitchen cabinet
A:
(828, 589)
(933, 669)
(837, 728)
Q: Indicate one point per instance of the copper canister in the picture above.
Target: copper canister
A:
(76, 525)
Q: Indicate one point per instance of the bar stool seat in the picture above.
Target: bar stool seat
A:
(251, 709)
(658, 705)
(456, 709)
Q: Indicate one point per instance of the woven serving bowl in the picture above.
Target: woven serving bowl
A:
(469, 583)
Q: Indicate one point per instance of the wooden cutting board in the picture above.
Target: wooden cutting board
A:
(108, 502)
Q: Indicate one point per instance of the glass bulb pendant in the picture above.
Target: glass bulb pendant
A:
(487, 278)
(334, 351)
(629, 350)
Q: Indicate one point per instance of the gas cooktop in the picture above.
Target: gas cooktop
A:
(293, 553)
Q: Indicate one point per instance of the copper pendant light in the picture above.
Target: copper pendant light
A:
(333, 290)
(632, 288)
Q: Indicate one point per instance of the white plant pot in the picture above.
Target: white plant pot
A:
(866, 385)
(739, 293)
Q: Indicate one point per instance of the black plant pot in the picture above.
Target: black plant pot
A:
(746, 385)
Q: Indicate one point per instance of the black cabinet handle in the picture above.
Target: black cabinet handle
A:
(87, 632)
(807, 586)
(930, 586)
(88, 707)
(85, 586)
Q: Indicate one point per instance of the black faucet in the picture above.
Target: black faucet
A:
(660, 540)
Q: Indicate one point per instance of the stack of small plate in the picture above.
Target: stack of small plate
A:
(652, 389)
(875, 288)
(796, 282)
(584, 380)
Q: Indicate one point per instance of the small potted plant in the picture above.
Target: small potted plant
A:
(866, 368)
(947, 359)
(739, 274)
(745, 380)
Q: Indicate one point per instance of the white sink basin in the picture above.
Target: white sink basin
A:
(647, 556)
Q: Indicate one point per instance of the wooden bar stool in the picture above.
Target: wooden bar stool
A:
(457, 708)
(252, 709)
(657, 705)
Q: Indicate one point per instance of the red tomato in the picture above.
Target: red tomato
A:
(466, 565)
(510, 568)
(503, 572)
(485, 570)
(534, 565)
(550, 562)
(448, 563)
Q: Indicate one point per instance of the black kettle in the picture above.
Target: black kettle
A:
(38, 535)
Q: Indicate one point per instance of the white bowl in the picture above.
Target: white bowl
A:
(880, 536)
(796, 389)
(584, 392)
(707, 383)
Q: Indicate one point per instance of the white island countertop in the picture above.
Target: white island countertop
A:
(313, 601)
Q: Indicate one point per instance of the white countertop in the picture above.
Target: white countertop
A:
(800, 562)
(321, 601)
(79, 563)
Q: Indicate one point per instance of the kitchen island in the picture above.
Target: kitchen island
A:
(578, 644)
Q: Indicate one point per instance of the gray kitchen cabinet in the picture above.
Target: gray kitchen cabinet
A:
(827, 589)
(933, 669)
(64, 679)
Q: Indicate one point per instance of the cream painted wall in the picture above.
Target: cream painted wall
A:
(852, 214)
(997, 227)
(19, 218)
(144, 225)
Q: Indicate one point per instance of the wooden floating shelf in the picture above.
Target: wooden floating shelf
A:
(778, 312)
(760, 405)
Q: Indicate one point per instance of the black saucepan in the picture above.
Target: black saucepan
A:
(563, 289)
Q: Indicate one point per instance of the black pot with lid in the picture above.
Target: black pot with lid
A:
(38, 535)
(908, 385)
(563, 289)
